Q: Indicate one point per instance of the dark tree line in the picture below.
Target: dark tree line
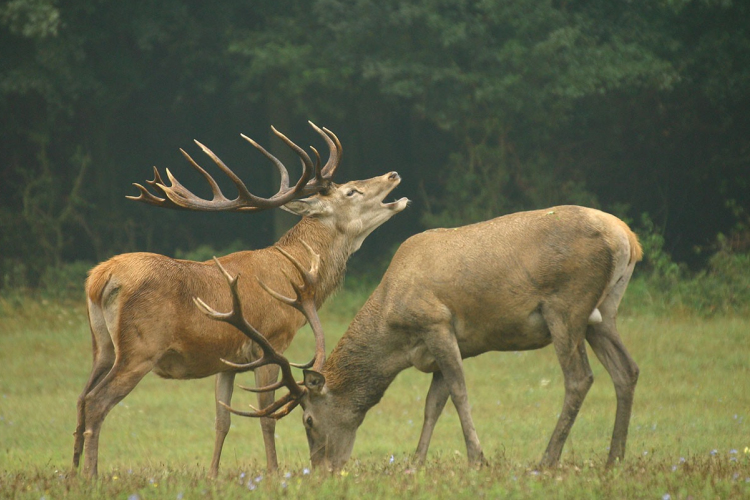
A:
(484, 107)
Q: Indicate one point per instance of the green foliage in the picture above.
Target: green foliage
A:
(487, 182)
(513, 63)
(65, 281)
(662, 285)
(656, 260)
(206, 252)
(487, 107)
(31, 18)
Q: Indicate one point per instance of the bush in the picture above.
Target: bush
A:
(203, 253)
(663, 286)
(65, 281)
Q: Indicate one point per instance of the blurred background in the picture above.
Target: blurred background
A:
(639, 108)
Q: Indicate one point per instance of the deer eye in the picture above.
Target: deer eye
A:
(309, 422)
(351, 192)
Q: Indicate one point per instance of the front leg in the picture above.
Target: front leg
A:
(441, 342)
(266, 375)
(437, 396)
(224, 389)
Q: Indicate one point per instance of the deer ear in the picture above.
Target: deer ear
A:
(314, 381)
(306, 207)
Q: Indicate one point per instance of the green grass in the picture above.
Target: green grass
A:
(689, 430)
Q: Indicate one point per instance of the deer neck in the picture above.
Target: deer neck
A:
(364, 362)
(332, 245)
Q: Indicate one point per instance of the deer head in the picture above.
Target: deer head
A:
(330, 423)
(355, 209)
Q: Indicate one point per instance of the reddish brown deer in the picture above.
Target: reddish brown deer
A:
(140, 305)
(518, 282)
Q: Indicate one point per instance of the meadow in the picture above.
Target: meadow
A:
(689, 435)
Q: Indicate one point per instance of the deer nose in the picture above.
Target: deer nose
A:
(393, 176)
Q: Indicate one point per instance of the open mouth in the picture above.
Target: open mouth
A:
(399, 204)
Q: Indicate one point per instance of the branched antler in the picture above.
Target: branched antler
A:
(313, 180)
(305, 303)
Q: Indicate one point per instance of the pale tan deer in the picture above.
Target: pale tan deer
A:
(140, 306)
(518, 282)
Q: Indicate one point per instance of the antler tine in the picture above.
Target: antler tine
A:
(300, 152)
(276, 295)
(146, 196)
(318, 175)
(308, 169)
(243, 193)
(276, 410)
(218, 195)
(335, 151)
(283, 172)
(305, 366)
(306, 291)
(340, 151)
(267, 388)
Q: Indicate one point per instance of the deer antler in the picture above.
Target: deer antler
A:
(305, 303)
(314, 179)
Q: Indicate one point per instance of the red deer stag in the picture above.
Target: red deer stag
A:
(518, 282)
(140, 305)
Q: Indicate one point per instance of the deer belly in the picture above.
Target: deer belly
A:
(520, 334)
(175, 365)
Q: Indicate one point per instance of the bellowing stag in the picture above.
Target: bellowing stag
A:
(518, 282)
(140, 306)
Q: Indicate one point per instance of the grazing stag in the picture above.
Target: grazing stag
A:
(518, 282)
(140, 305)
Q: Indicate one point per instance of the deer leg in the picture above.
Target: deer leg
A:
(103, 359)
(102, 365)
(117, 384)
(224, 390)
(609, 349)
(437, 396)
(267, 375)
(442, 344)
(571, 352)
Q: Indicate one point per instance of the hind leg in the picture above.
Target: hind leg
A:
(570, 347)
(609, 349)
(102, 366)
(104, 359)
(117, 384)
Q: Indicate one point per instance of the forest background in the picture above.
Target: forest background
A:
(640, 108)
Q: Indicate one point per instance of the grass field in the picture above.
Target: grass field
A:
(690, 431)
